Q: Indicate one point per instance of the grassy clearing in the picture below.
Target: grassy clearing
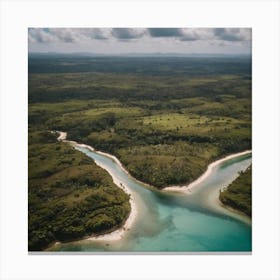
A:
(194, 124)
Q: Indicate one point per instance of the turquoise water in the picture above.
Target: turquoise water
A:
(175, 222)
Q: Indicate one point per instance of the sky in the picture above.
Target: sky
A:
(140, 40)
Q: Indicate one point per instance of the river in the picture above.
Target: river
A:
(176, 222)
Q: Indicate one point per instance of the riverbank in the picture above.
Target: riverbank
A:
(154, 209)
(187, 188)
(238, 195)
(120, 232)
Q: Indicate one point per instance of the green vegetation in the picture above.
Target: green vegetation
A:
(167, 164)
(69, 196)
(166, 119)
(166, 126)
(238, 194)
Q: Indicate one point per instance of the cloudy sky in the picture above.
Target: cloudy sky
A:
(140, 40)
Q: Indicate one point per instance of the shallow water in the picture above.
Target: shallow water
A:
(175, 222)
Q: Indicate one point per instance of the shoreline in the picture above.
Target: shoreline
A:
(229, 211)
(187, 188)
(176, 188)
(118, 233)
(236, 211)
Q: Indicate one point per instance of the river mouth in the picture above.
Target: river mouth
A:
(175, 222)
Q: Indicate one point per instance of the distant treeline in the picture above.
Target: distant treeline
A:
(163, 66)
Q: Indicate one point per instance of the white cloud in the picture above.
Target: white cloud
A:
(70, 35)
(115, 40)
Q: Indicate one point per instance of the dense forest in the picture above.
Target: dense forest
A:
(165, 118)
(69, 197)
(238, 194)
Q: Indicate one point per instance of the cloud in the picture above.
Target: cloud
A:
(63, 34)
(194, 34)
(80, 35)
(127, 33)
(93, 33)
(165, 32)
(39, 35)
(232, 34)
(66, 35)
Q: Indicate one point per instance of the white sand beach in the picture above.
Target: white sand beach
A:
(119, 233)
(187, 189)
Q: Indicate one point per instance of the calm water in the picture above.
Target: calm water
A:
(178, 222)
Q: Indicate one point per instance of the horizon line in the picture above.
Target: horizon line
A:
(137, 53)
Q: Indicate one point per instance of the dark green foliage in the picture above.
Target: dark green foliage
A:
(69, 196)
(202, 102)
(166, 119)
(150, 66)
(167, 164)
(238, 194)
